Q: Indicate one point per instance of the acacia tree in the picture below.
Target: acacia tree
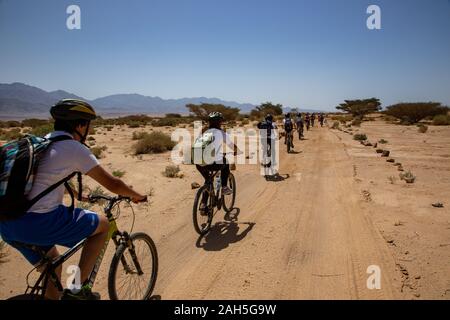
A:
(202, 111)
(266, 108)
(410, 113)
(360, 108)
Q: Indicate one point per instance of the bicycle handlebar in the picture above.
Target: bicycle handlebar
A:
(93, 198)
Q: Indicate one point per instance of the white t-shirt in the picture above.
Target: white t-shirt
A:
(60, 160)
(219, 147)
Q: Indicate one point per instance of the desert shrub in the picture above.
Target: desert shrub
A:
(335, 125)
(11, 134)
(342, 118)
(134, 124)
(42, 130)
(382, 141)
(33, 123)
(245, 122)
(90, 138)
(171, 171)
(173, 115)
(410, 113)
(2, 251)
(441, 120)
(167, 122)
(118, 173)
(138, 135)
(98, 151)
(13, 124)
(109, 127)
(409, 177)
(423, 128)
(360, 137)
(91, 143)
(155, 142)
(356, 123)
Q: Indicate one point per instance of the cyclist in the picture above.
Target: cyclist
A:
(313, 118)
(49, 222)
(299, 124)
(266, 137)
(221, 138)
(288, 127)
(321, 119)
(307, 121)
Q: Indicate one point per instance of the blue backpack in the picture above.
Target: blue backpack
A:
(288, 125)
(19, 160)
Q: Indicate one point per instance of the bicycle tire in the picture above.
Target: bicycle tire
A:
(196, 212)
(232, 185)
(112, 289)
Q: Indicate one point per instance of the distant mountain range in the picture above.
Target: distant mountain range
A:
(18, 100)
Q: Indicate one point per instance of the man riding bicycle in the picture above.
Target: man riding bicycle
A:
(288, 127)
(267, 136)
(220, 139)
(299, 124)
(49, 222)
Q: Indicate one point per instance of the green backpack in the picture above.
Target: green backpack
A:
(203, 146)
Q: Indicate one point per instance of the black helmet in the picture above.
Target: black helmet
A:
(269, 117)
(72, 109)
(215, 116)
(288, 115)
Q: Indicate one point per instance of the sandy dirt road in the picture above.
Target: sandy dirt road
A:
(305, 237)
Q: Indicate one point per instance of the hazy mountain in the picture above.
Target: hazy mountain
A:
(18, 99)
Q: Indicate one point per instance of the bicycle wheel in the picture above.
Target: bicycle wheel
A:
(127, 283)
(228, 201)
(202, 223)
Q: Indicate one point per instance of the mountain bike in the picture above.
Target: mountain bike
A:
(215, 200)
(289, 141)
(134, 266)
(300, 130)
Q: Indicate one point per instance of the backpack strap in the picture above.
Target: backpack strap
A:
(64, 181)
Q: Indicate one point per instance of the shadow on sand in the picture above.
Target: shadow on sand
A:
(224, 233)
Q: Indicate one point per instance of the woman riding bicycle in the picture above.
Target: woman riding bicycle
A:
(221, 138)
(49, 223)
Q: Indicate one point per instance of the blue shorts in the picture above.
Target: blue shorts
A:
(58, 227)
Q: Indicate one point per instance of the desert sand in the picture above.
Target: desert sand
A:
(311, 235)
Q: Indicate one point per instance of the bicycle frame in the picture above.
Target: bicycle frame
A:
(49, 273)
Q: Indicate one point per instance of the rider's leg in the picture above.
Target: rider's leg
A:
(204, 171)
(51, 291)
(224, 174)
(92, 248)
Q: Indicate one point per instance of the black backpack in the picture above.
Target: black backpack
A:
(19, 161)
(265, 125)
(288, 125)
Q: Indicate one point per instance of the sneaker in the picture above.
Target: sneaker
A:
(84, 294)
(227, 191)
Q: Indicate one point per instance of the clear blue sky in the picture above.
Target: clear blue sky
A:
(310, 54)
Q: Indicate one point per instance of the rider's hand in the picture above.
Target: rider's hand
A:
(139, 199)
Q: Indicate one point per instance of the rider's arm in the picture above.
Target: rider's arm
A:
(113, 184)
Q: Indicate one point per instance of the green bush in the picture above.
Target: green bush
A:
(155, 142)
(42, 130)
(118, 173)
(441, 120)
(410, 113)
(360, 137)
(2, 251)
(98, 151)
(423, 128)
(34, 123)
(11, 134)
(167, 122)
(171, 171)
